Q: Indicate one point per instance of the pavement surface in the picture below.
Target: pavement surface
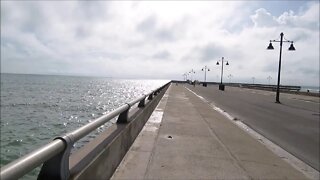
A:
(186, 139)
(293, 125)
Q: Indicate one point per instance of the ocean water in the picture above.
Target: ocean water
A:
(37, 108)
(314, 89)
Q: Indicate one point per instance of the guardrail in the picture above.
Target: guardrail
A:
(252, 86)
(271, 87)
(55, 155)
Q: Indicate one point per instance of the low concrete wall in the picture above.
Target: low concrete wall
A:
(100, 158)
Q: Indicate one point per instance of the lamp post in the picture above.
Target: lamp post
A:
(205, 69)
(187, 76)
(191, 73)
(184, 76)
(253, 80)
(269, 78)
(291, 48)
(221, 86)
(230, 76)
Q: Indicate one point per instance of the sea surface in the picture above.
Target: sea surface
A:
(314, 89)
(37, 108)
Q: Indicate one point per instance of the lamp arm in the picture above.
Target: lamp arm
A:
(280, 41)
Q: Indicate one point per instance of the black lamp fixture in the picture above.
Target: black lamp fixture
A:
(270, 47)
(291, 48)
(204, 69)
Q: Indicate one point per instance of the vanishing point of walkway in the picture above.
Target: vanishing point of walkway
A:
(193, 141)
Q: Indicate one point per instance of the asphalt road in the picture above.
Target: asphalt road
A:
(293, 125)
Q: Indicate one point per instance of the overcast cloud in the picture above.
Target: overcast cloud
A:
(160, 39)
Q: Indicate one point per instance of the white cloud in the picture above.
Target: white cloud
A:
(158, 39)
(308, 19)
(262, 18)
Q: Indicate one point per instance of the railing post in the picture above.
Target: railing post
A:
(123, 117)
(58, 166)
(142, 102)
(150, 96)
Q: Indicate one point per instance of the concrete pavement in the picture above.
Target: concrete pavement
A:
(186, 139)
(294, 124)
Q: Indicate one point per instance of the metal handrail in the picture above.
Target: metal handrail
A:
(86, 129)
(25, 164)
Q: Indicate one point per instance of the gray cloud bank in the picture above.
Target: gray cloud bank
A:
(157, 39)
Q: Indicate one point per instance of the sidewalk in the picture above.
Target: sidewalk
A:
(193, 141)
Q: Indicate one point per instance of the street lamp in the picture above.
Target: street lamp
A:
(205, 69)
(291, 48)
(269, 78)
(185, 76)
(253, 80)
(221, 86)
(230, 76)
(191, 73)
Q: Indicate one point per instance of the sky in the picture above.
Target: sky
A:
(162, 39)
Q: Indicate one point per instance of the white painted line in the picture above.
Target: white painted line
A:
(283, 154)
(308, 101)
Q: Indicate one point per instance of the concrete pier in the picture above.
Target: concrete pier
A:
(186, 139)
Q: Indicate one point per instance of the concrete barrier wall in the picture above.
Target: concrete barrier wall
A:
(100, 157)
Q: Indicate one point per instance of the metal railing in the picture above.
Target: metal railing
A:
(57, 152)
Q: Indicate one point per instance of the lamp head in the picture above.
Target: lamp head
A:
(270, 47)
(291, 48)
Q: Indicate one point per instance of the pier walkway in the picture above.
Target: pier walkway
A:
(185, 138)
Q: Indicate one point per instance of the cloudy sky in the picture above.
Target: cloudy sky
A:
(161, 39)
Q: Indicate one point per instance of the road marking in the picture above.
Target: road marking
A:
(304, 100)
(307, 170)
